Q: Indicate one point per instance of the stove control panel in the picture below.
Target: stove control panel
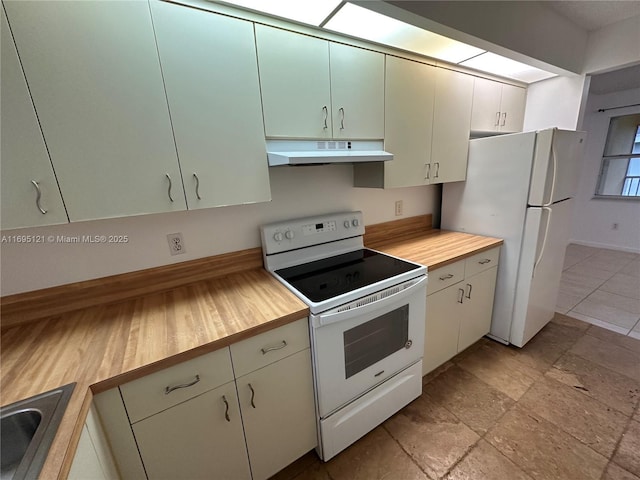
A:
(306, 232)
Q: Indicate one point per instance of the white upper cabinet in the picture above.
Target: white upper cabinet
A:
(211, 77)
(30, 194)
(497, 107)
(408, 113)
(94, 75)
(357, 92)
(451, 126)
(294, 77)
(312, 88)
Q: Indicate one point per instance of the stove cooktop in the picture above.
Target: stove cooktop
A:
(327, 278)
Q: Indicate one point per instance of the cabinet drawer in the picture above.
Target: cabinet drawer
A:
(481, 261)
(261, 350)
(445, 276)
(156, 392)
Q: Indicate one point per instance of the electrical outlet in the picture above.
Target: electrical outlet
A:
(176, 243)
(398, 208)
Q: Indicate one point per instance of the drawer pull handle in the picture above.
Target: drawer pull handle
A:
(325, 111)
(253, 394)
(461, 295)
(447, 276)
(197, 186)
(486, 260)
(226, 411)
(168, 390)
(170, 185)
(271, 349)
(341, 111)
(379, 373)
(470, 287)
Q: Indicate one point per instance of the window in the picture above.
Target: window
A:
(620, 170)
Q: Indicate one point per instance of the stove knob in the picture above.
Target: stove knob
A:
(347, 224)
(289, 234)
(355, 222)
(278, 237)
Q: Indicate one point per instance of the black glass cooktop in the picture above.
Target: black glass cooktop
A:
(333, 276)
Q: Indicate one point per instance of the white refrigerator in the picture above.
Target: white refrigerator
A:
(520, 188)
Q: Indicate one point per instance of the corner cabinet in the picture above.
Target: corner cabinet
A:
(459, 306)
(30, 194)
(95, 79)
(211, 79)
(409, 96)
(497, 107)
(313, 88)
(241, 412)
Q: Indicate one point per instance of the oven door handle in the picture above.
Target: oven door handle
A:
(335, 315)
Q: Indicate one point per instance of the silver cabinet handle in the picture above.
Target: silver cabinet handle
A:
(341, 111)
(226, 411)
(504, 119)
(437, 164)
(325, 110)
(427, 170)
(497, 119)
(197, 186)
(447, 276)
(271, 349)
(38, 197)
(470, 287)
(461, 295)
(168, 390)
(169, 189)
(484, 261)
(253, 394)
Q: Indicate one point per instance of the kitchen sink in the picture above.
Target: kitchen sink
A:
(27, 429)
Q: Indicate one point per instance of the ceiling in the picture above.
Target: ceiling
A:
(592, 15)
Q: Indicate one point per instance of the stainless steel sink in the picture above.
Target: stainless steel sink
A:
(27, 430)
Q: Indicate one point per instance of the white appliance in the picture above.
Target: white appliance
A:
(520, 188)
(366, 324)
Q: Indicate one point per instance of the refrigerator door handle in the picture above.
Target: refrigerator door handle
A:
(544, 240)
(554, 158)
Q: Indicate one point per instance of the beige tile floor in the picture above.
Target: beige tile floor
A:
(602, 287)
(566, 406)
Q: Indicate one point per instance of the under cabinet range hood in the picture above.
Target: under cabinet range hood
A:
(310, 152)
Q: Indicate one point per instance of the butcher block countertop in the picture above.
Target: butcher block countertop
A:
(109, 331)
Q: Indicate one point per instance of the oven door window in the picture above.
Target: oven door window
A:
(375, 340)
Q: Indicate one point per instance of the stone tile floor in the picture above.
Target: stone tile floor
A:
(602, 287)
(566, 406)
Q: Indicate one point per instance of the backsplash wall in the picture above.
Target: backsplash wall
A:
(295, 191)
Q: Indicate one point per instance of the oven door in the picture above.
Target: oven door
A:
(359, 345)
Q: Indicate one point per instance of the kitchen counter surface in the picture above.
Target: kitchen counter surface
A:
(104, 346)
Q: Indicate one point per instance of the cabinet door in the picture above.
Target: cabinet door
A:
(211, 77)
(24, 156)
(409, 93)
(294, 78)
(485, 113)
(357, 92)
(479, 291)
(444, 312)
(451, 126)
(194, 440)
(512, 106)
(278, 413)
(95, 78)
(86, 464)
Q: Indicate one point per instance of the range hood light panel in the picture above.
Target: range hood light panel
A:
(363, 23)
(310, 12)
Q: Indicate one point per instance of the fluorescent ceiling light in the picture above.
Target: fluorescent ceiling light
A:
(505, 67)
(311, 12)
(363, 23)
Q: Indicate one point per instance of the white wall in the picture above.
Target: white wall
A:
(555, 102)
(613, 47)
(296, 191)
(593, 218)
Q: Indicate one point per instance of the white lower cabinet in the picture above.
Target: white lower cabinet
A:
(459, 306)
(200, 438)
(197, 420)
